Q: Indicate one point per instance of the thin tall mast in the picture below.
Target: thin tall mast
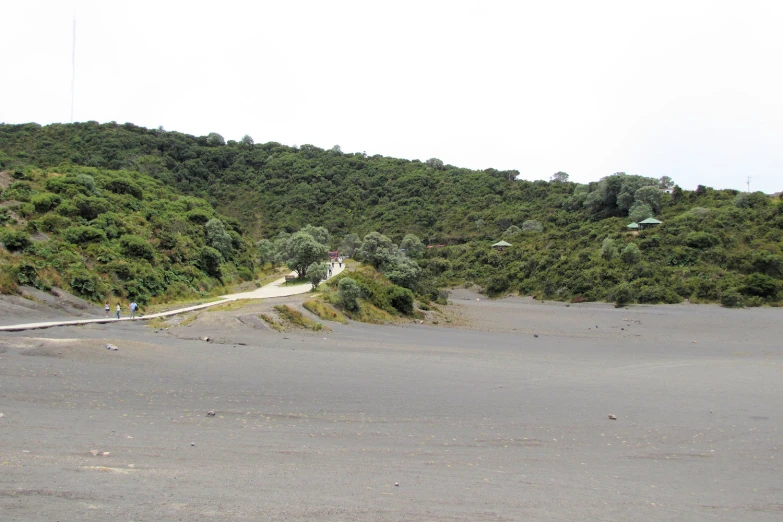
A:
(73, 65)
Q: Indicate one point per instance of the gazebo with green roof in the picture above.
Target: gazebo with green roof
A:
(501, 245)
(633, 226)
(650, 221)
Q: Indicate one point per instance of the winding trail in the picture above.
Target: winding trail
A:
(273, 289)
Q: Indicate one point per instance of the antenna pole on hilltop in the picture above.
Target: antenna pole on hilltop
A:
(748, 181)
(73, 65)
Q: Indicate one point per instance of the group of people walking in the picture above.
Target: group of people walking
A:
(330, 266)
(133, 309)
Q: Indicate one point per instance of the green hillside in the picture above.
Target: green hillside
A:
(103, 233)
(569, 241)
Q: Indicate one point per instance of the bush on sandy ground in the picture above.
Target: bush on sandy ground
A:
(324, 311)
(268, 319)
(731, 298)
(296, 318)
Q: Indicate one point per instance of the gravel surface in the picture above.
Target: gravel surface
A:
(479, 421)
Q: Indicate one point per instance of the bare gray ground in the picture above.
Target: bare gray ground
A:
(483, 421)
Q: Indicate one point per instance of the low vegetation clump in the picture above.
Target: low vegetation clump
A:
(272, 322)
(296, 318)
(367, 288)
(324, 311)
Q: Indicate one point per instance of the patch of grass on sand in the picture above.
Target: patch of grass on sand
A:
(274, 325)
(233, 305)
(296, 282)
(324, 311)
(189, 319)
(369, 313)
(158, 322)
(296, 318)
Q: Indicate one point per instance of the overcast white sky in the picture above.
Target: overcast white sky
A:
(692, 89)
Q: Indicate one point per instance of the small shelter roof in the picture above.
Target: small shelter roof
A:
(633, 225)
(650, 221)
(502, 244)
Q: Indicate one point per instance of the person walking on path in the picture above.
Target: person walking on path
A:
(118, 310)
(133, 308)
(340, 260)
(106, 307)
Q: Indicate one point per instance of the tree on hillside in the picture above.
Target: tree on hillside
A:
(640, 212)
(412, 245)
(217, 237)
(349, 293)
(301, 251)
(376, 249)
(435, 163)
(320, 234)
(649, 195)
(559, 176)
(316, 273)
(247, 141)
(614, 195)
(214, 139)
(666, 182)
(510, 231)
(608, 249)
(267, 252)
(403, 271)
(349, 244)
(532, 225)
(630, 254)
(209, 261)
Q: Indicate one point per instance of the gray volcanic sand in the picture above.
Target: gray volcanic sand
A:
(482, 421)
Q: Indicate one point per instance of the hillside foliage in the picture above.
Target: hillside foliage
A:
(424, 224)
(107, 234)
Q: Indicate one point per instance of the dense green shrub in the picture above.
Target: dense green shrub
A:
(15, 240)
(630, 254)
(123, 186)
(497, 284)
(752, 200)
(26, 274)
(622, 295)
(401, 299)
(52, 222)
(19, 191)
(90, 207)
(199, 216)
(701, 240)
(209, 261)
(767, 264)
(87, 285)
(705, 289)
(731, 298)
(45, 202)
(136, 246)
(656, 294)
(349, 293)
(760, 285)
(84, 234)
